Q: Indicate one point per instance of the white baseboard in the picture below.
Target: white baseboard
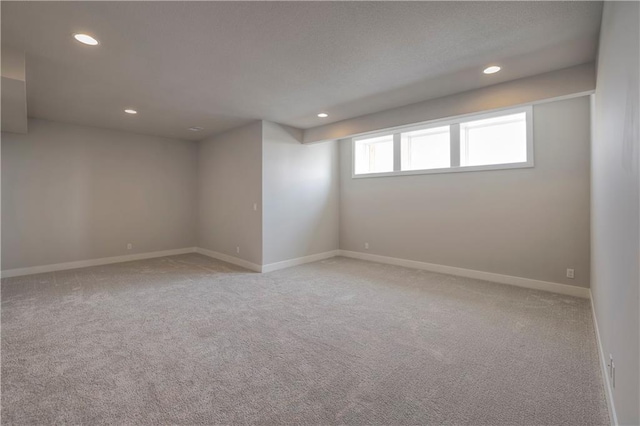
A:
(488, 276)
(613, 417)
(93, 262)
(299, 261)
(230, 259)
(470, 273)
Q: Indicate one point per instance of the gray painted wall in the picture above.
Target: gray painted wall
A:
(14, 92)
(615, 211)
(300, 190)
(75, 193)
(531, 223)
(229, 183)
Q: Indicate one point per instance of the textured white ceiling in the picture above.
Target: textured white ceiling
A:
(222, 64)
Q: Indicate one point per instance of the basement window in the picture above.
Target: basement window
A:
(426, 149)
(490, 141)
(374, 155)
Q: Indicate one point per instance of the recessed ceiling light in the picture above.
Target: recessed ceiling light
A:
(492, 69)
(130, 111)
(85, 39)
(195, 129)
(323, 115)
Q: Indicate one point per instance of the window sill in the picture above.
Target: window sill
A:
(509, 166)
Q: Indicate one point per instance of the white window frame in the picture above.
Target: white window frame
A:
(454, 145)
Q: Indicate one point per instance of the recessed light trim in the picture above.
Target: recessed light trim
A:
(323, 115)
(492, 69)
(86, 39)
(196, 129)
(130, 111)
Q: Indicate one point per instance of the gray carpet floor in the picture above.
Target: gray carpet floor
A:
(191, 340)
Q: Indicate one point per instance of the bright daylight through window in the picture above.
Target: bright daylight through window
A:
(498, 140)
(374, 155)
(426, 149)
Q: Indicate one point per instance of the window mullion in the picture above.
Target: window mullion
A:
(397, 152)
(454, 144)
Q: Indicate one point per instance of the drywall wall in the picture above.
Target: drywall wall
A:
(14, 91)
(615, 186)
(556, 84)
(300, 193)
(229, 184)
(74, 193)
(530, 223)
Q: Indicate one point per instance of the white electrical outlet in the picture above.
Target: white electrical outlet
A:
(129, 246)
(570, 273)
(366, 246)
(238, 250)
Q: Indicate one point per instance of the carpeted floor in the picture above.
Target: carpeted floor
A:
(191, 340)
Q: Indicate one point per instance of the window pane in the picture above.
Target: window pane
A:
(499, 140)
(374, 155)
(426, 149)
